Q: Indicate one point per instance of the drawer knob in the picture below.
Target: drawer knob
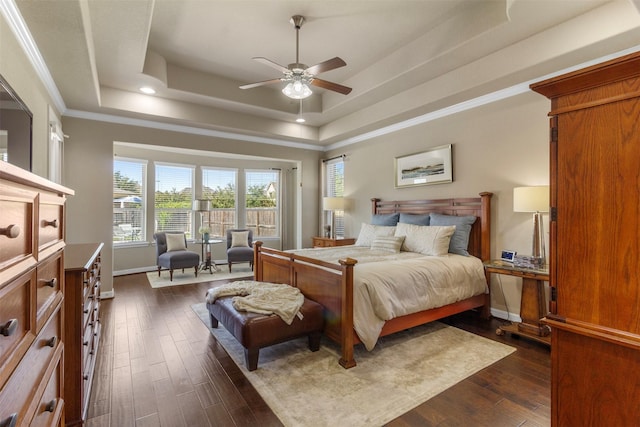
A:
(10, 421)
(51, 342)
(85, 343)
(53, 223)
(86, 310)
(85, 377)
(11, 231)
(51, 283)
(9, 328)
(51, 406)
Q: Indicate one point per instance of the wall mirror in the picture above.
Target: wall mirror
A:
(16, 123)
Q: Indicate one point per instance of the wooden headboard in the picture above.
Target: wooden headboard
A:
(480, 237)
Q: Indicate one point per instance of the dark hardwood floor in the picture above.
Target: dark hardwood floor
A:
(158, 365)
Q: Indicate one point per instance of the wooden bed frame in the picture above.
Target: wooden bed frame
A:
(331, 285)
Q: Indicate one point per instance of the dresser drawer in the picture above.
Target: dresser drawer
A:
(49, 411)
(21, 390)
(50, 229)
(17, 327)
(48, 289)
(17, 246)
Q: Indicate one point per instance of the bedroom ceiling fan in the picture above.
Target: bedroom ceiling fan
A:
(298, 76)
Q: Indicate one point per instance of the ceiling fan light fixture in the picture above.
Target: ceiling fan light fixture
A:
(297, 90)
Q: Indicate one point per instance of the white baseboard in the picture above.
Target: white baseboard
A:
(505, 315)
(108, 294)
(134, 271)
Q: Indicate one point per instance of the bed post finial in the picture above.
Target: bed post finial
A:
(374, 205)
(257, 268)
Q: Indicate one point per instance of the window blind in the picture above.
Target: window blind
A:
(262, 207)
(219, 186)
(129, 193)
(174, 198)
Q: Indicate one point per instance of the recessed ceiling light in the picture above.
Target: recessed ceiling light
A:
(148, 90)
(300, 120)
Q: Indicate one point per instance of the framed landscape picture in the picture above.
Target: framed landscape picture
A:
(428, 167)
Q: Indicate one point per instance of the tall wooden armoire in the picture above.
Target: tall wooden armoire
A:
(595, 244)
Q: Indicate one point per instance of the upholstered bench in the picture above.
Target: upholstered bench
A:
(255, 331)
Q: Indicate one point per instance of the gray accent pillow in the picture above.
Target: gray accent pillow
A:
(414, 219)
(390, 220)
(459, 243)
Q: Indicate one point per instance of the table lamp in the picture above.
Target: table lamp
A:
(333, 204)
(536, 200)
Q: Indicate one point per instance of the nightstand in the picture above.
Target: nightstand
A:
(532, 301)
(325, 242)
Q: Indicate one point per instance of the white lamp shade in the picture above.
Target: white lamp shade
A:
(531, 199)
(201, 205)
(333, 203)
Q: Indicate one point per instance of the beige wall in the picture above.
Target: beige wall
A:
(495, 148)
(88, 170)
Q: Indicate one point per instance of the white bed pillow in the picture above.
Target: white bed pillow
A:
(175, 242)
(388, 243)
(368, 232)
(425, 239)
(239, 239)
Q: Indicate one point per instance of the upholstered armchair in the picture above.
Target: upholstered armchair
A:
(172, 253)
(239, 247)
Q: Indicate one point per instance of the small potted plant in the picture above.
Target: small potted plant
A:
(204, 230)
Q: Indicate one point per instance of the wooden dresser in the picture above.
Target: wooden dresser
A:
(32, 231)
(82, 326)
(595, 254)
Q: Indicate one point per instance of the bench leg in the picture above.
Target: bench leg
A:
(214, 321)
(314, 341)
(251, 358)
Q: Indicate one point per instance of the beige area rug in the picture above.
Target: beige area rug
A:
(188, 277)
(305, 388)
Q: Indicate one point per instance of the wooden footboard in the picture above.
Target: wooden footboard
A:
(331, 285)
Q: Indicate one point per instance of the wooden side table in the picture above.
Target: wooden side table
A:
(532, 301)
(325, 242)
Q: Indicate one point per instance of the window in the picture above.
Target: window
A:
(174, 198)
(219, 186)
(262, 202)
(334, 187)
(128, 200)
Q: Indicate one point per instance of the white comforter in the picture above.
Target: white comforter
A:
(390, 285)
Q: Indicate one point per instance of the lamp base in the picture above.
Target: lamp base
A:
(537, 250)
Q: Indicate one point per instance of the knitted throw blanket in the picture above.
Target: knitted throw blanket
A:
(261, 297)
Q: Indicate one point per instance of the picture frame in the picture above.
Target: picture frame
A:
(432, 166)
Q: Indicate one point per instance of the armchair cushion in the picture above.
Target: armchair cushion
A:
(240, 239)
(175, 242)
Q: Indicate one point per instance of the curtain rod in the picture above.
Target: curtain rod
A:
(333, 158)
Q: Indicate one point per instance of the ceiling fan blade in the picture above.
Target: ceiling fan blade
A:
(328, 65)
(271, 64)
(331, 86)
(266, 82)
